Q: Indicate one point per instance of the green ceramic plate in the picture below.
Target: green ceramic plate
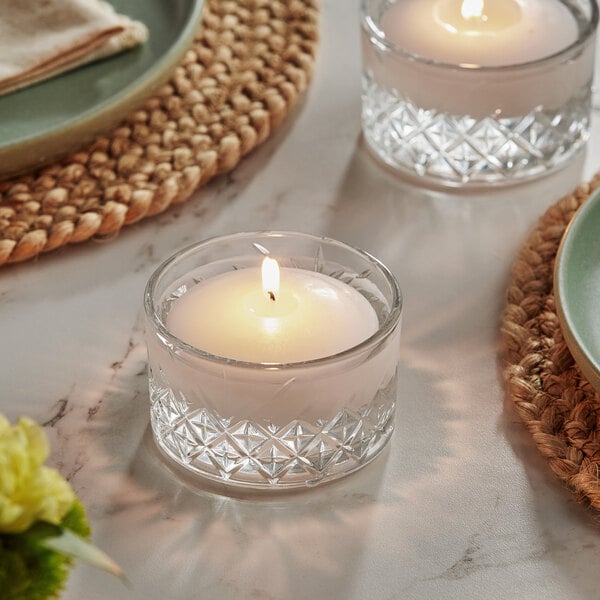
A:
(49, 119)
(577, 288)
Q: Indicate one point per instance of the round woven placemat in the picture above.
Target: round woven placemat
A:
(244, 72)
(551, 395)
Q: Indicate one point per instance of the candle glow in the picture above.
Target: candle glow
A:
(480, 32)
(472, 9)
(475, 18)
(270, 278)
(235, 315)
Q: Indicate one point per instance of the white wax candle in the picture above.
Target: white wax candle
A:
(481, 32)
(485, 33)
(311, 316)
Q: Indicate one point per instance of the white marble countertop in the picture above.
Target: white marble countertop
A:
(460, 505)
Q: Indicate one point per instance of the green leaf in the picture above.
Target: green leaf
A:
(29, 571)
(69, 544)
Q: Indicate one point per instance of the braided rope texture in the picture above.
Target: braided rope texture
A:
(551, 395)
(245, 71)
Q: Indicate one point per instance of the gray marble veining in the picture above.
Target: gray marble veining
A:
(459, 506)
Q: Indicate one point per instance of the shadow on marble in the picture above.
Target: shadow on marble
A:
(266, 544)
(567, 534)
(312, 542)
(268, 540)
(416, 230)
(369, 188)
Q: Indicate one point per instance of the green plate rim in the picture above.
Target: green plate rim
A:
(76, 131)
(584, 357)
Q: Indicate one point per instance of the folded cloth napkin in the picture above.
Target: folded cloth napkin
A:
(42, 38)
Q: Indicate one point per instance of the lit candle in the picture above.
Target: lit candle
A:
(479, 58)
(280, 376)
(294, 316)
(481, 32)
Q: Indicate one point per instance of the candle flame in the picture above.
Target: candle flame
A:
(270, 277)
(472, 9)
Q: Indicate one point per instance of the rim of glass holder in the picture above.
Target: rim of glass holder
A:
(367, 21)
(383, 331)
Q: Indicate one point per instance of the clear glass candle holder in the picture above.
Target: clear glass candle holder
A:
(272, 425)
(467, 125)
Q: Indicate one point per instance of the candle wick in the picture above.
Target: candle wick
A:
(272, 296)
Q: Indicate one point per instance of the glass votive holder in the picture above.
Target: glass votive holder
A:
(269, 424)
(427, 114)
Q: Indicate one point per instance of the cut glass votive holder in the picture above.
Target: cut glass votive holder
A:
(467, 125)
(270, 425)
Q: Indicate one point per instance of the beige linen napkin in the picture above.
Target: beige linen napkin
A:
(42, 38)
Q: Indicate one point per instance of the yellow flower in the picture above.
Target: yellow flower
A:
(29, 491)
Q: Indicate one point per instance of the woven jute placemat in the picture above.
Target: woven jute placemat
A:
(550, 394)
(243, 74)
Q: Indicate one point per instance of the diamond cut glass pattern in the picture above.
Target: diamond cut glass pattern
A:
(290, 454)
(462, 150)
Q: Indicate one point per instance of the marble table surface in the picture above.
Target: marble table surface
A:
(460, 505)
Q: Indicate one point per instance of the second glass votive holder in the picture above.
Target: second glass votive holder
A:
(273, 425)
(459, 124)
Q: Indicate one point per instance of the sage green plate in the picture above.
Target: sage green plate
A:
(577, 288)
(52, 118)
